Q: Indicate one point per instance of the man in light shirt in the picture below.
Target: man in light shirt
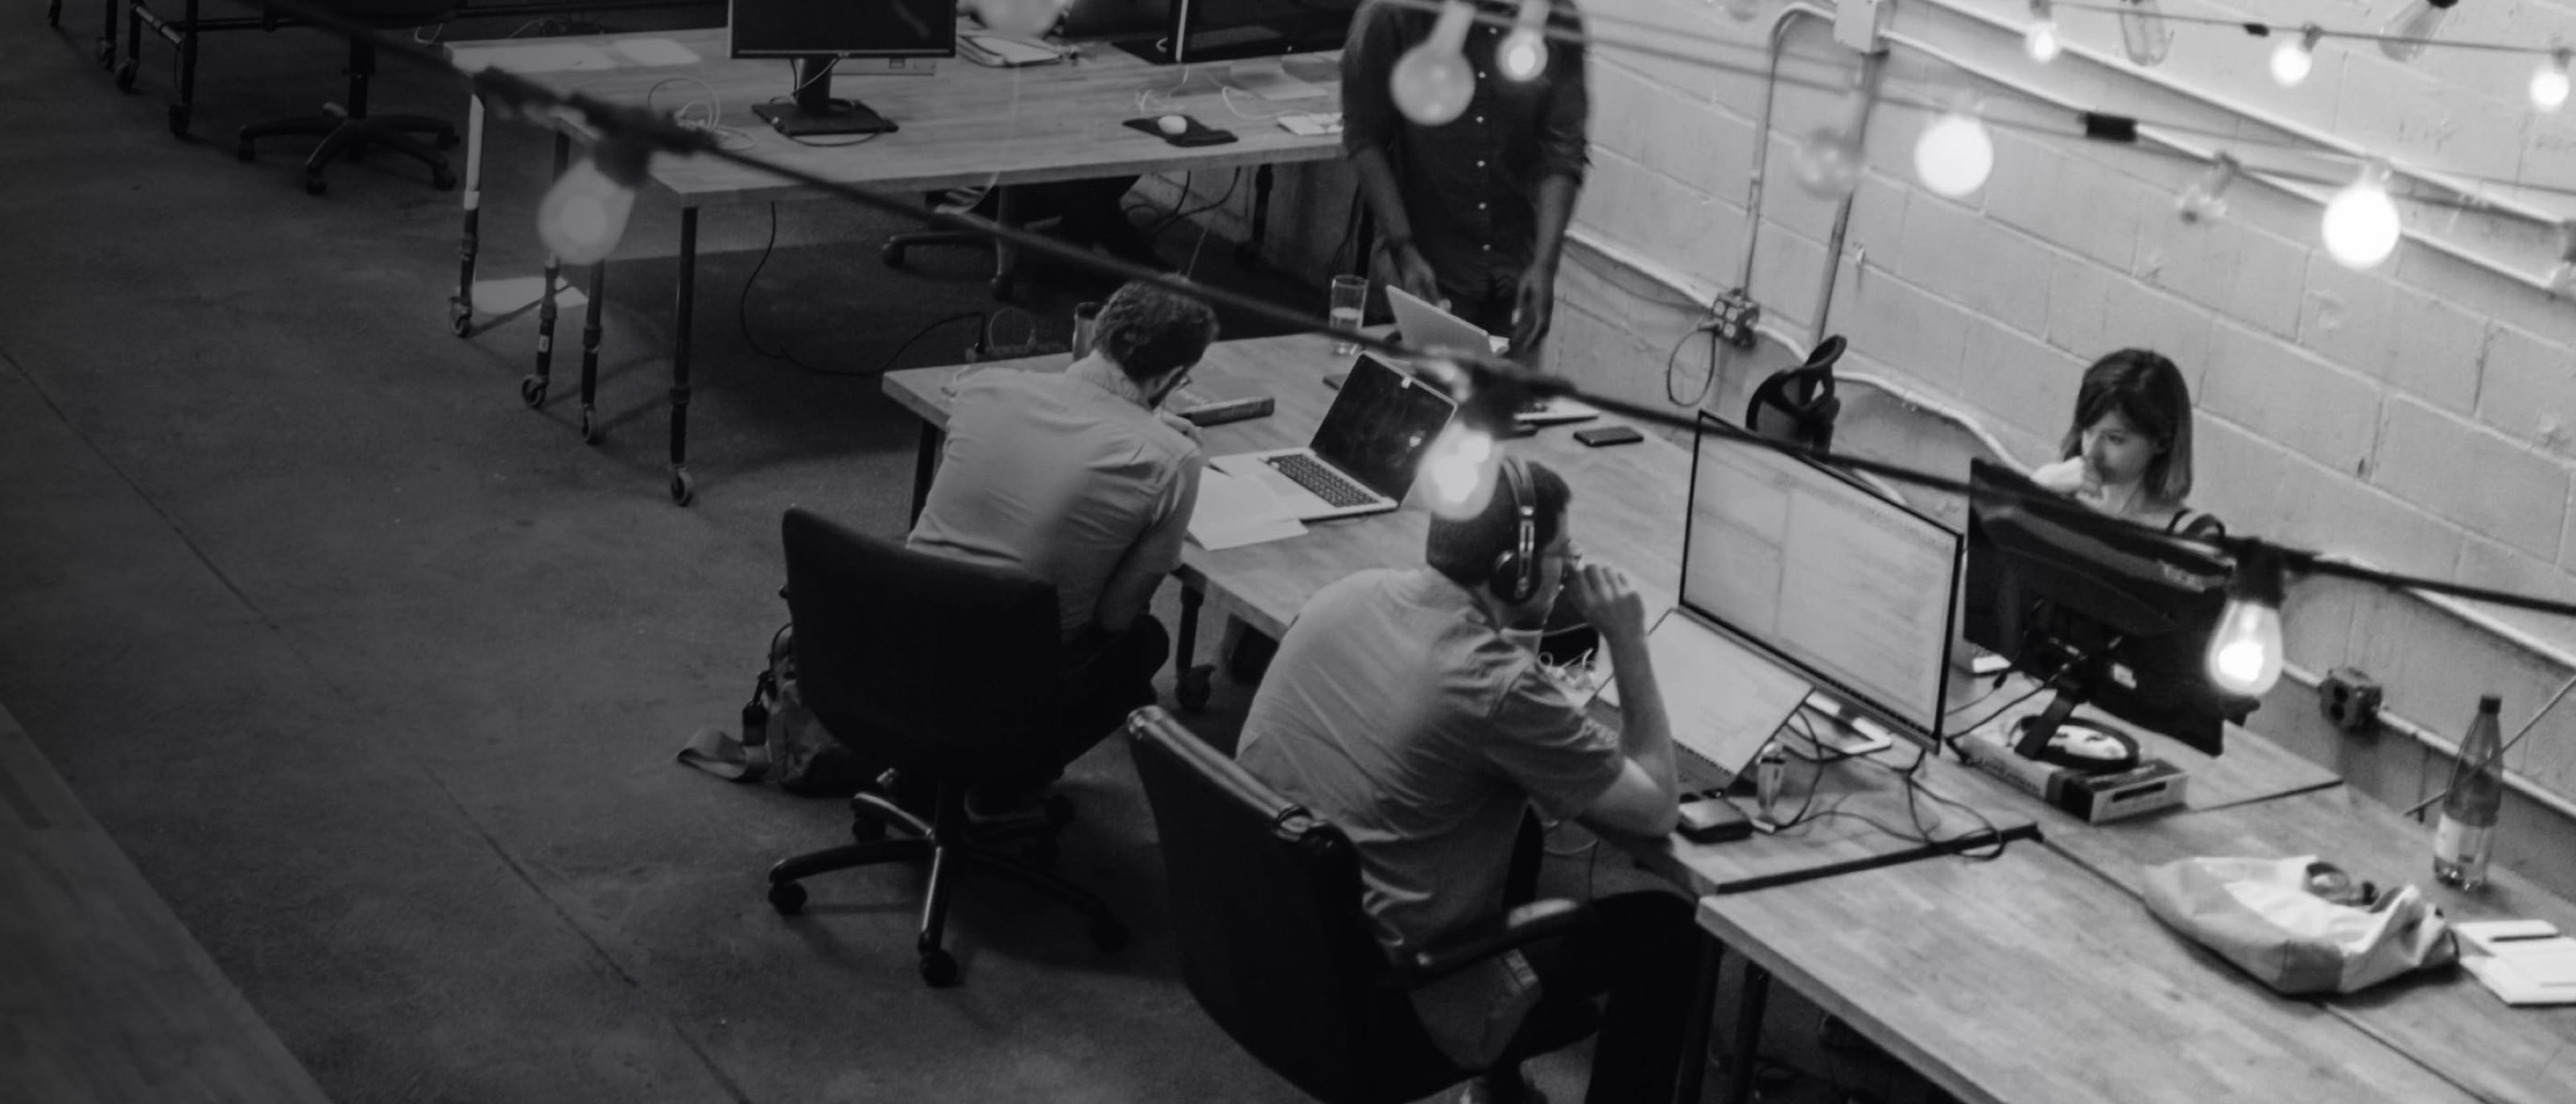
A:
(1082, 480)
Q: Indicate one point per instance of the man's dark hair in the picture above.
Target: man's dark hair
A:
(1465, 550)
(1150, 331)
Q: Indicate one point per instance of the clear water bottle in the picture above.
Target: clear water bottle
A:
(2467, 831)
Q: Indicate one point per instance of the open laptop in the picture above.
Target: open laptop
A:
(1365, 453)
(1424, 325)
(1724, 699)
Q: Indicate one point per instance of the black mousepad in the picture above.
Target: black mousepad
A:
(1198, 134)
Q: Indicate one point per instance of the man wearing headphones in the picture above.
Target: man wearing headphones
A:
(1398, 709)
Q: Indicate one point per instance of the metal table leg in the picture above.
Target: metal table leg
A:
(532, 390)
(187, 43)
(1006, 256)
(460, 306)
(105, 49)
(125, 66)
(682, 307)
(1707, 954)
(925, 466)
(1249, 253)
(1748, 1035)
(1191, 682)
(590, 430)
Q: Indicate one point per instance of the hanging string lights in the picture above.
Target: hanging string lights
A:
(1523, 54)
(2295, 57)
(1432, 82)
(2206, 198)
(2361, 223)
(2549, 81)
(1955, 154)
(2041, 42)
(2406, 35)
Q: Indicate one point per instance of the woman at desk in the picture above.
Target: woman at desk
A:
(2128, 452)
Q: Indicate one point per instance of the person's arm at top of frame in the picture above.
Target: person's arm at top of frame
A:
(1564, 155)
(1155, 554)
(1645, 800)
(1371, 126)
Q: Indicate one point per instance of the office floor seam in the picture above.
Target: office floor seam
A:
(517, 870)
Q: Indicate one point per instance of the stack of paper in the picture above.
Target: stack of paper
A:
(1233, 512)
(2522, 961)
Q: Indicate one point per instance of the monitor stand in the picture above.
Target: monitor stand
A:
(2056, 738)
(814, 113)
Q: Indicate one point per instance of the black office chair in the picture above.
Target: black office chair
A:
(1797, 405)
(1266, 897)
(348, 131)
(941, 668)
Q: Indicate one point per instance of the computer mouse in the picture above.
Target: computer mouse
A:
(1173, 125)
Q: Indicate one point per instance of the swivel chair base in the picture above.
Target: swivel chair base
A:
(346, 136)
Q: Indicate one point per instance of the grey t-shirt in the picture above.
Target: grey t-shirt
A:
(1396, 710)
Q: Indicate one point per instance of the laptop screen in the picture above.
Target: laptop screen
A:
(1379, 424)
(1852, 589)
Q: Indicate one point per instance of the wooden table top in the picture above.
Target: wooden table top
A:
(104, 996)
(2028, 980)
(966, 124)
(2445, 1019)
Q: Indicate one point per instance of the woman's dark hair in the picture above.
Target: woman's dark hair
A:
(1150, 331)
(2149, 391)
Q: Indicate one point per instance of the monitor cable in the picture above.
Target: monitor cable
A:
(742, 319)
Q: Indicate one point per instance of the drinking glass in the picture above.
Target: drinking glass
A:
(1350, 299)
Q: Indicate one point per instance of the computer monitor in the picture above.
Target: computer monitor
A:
(2117, 618)
(1825, 574)
(816, 34)
(1202, 31)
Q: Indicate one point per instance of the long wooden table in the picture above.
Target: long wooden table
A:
(104, 996)
(966, 125)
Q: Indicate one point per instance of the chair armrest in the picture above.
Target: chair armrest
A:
(1486, 938)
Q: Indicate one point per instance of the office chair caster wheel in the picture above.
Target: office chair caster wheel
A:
(1195, 687)
(125, 75)
(683, 488)
(460, 319)
(938, 969)
(178, 118)
(532, 391)
(443, 180)
(590, 429)
(787, 897)
(104, 54)
(892, 255)
(1109, 935)
(1002, 286)
(313, 186)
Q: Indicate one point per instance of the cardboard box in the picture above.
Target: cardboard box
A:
(2098, 798)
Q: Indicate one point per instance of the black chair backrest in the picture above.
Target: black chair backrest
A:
(1797, 405)
(1267, 901)
(928, 663)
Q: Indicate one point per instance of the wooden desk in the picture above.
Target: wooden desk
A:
(104, 996)
(967, 125)
(2027, 980)
(2444, 1019)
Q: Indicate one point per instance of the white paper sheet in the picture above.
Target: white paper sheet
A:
(1233, 512)
(656, 51)
(535, 57)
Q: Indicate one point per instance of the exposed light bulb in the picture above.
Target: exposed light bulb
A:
(2296, 57)
(2421, 20)
(2040, 42)
(1830, 160)
(1955, 154)
(2361, 222)
(2144, 34)
(1432, 83)
(2206, 198)
(584, 214)
(1019, 18)
(2245, 653)
(1460, 468)
(2549, 82)
(1523, 55)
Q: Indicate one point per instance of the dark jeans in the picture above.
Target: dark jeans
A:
(1091, 212)
(1637, 950)
(1104, 679)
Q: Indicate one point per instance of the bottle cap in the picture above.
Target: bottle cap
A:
(2490, 703)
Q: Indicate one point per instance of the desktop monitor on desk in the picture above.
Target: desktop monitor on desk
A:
(2116, 618)
(1824, 574)
(817, 34)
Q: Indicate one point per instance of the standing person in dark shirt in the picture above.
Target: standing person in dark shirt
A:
(1473, 210)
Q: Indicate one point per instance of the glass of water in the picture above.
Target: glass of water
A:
(1350, 299)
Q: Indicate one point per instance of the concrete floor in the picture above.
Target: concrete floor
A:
(378, 675)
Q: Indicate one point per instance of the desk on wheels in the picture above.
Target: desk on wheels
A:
(968, 125)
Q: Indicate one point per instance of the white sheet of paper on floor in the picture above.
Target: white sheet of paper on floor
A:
(535, 57)
(656, 52)
(1234, 512)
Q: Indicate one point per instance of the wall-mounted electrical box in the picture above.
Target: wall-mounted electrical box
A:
(1857, 23)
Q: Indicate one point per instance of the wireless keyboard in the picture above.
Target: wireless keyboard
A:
(1333, 487)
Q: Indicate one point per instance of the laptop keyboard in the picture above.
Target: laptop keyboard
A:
(1333, 487)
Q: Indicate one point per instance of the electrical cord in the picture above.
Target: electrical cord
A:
(2000, 710)
(742, 319)
(1179, 214)
(730, 137)
(2501, 749)
(1672, 358)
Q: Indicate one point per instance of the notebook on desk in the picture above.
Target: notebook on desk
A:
(1424, 325)
(1724, 699)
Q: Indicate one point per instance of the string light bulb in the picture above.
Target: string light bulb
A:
(1523, 54)
(1432, 83)
(2206, 198)
(2144, 34)
(1460, 467)
(584, 214)
(2245, 653)
(1955, 154)
(2562, 276)
(2549, 82)
(2405, 37)
(1830, 160)
(2361, 222)
(2040, 42)
(2296, 57)
(1019, 18)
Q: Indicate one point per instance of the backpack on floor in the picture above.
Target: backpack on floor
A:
(781, 741)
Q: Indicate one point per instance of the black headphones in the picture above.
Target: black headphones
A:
(1515, 574)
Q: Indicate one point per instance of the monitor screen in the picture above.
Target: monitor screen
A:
(1850, 588)
(1379, 423)
(844, 28)
(1214, 30)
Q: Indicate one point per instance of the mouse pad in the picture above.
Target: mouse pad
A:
(1197, 135)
